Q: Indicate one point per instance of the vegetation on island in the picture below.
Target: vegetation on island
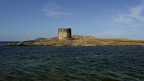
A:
(78, 40)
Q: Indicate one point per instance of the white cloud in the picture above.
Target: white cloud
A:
(134, 15)
(53, 10)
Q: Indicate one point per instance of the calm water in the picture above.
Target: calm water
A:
(107, 63)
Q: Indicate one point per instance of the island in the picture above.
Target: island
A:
(66, 39)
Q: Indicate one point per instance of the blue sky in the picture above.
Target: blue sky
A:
(30, 19)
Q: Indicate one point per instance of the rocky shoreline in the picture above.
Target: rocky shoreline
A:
(78, 40)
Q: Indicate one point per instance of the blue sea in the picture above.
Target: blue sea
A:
(68, 63)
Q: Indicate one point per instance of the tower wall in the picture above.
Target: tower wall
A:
(64, 33)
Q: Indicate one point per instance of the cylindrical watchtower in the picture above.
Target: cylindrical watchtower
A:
(64, 33)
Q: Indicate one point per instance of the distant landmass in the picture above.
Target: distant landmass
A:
(65, 38)
(3, 43)
(78, 40)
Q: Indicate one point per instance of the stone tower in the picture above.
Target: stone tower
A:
(64, 33)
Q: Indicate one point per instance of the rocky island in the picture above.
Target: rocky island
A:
(66, 39)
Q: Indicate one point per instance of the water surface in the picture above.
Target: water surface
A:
(100, 63)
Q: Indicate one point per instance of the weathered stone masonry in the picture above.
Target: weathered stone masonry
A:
(64, 33)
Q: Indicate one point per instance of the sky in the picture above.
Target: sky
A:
(30, 19)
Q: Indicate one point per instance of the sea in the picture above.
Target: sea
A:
(71, 63)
